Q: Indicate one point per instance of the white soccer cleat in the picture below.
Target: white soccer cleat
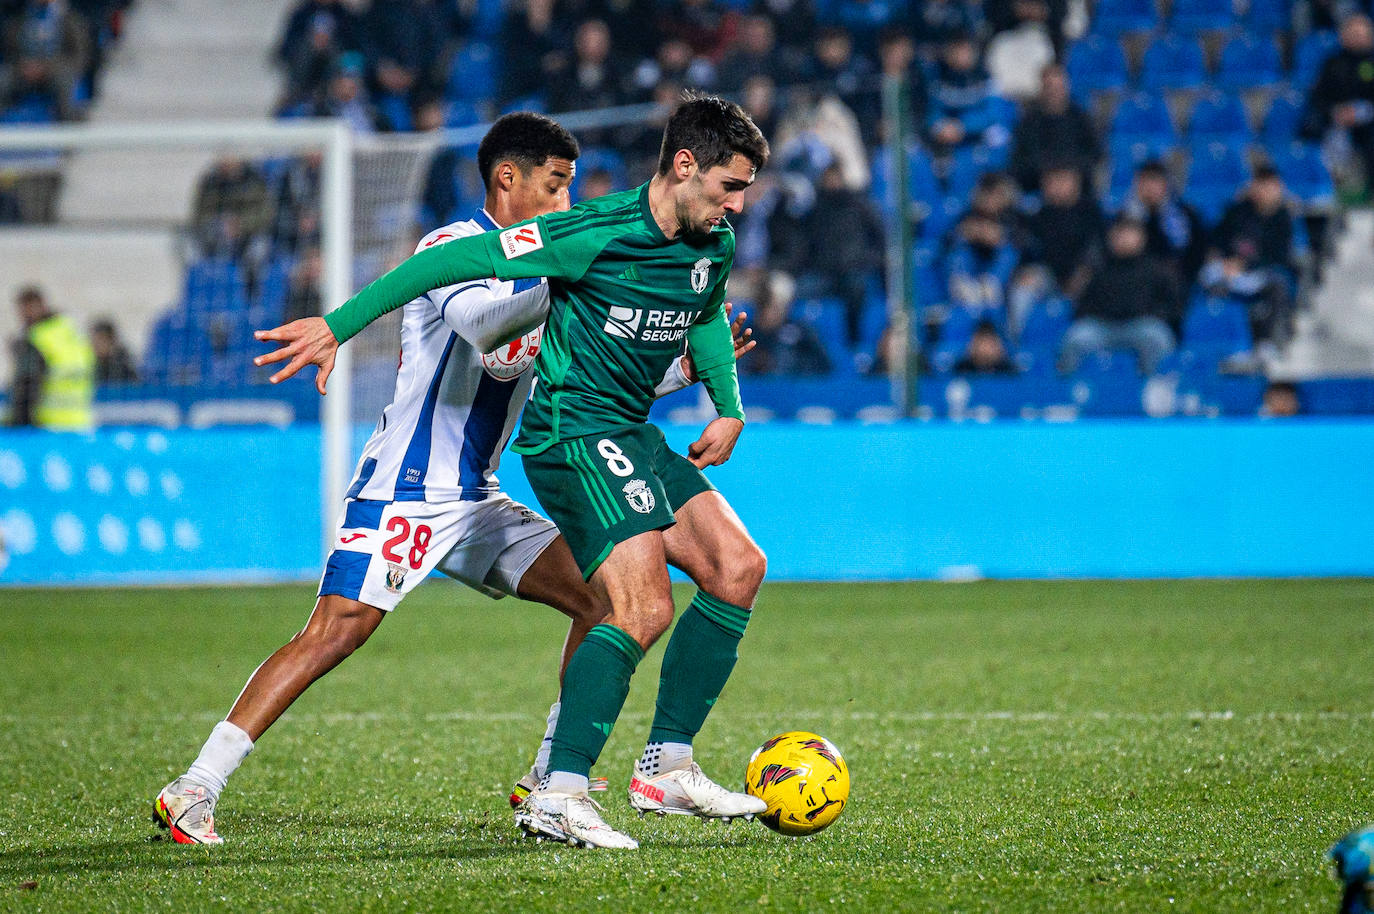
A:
(187, 810)
(571, 818)
(689, 792)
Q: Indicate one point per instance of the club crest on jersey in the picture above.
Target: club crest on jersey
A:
(395, 577)
(519, 240)
(638, 495)
(511, 360)
(701, 272)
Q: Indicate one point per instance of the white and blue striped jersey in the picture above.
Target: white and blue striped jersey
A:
(456, 404)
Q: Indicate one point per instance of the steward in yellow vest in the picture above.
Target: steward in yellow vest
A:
(55, 375)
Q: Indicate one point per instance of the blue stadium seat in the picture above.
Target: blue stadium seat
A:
(1309, 55)
(1173, 62)
(598, 158)
(922, 185)
(827, 317)
(1109, 384)
(953, 340)
(1097, 64)
(927, 284)
(1269, 15)
(1220, 118)
(1216, 172)
(472, 74)
(32, 111)
(967, 165)
(1248, 62)
(394, 111)
(1305, 174)
(269, 305)
(214, 284)
(1142, 127)
(1042, 333)
(1284, 117)
(1118, 16)
(1215, 329)
(1202, 15)
(461, 113)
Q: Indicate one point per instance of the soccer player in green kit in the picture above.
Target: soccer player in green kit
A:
(631, 275)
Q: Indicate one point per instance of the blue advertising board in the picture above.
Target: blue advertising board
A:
(838, 502)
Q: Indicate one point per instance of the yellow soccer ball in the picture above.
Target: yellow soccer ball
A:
(802, 778)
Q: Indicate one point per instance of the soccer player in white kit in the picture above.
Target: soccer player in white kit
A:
(425, 493)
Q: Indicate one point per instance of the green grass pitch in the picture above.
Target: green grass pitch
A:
(1085, 746)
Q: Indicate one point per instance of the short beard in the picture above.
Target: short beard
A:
(686, 228)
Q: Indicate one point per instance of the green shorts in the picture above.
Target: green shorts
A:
(603, 489)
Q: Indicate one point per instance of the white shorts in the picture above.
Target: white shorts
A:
(384, 548)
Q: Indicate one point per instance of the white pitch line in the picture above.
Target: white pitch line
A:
(795, 717)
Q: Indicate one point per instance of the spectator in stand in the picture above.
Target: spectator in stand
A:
(980, 268)
(1129, 303)
(785, 346)
(54, 373)
(1341, 101)
(596, 183)
(852, 77)
(296, 212)
(113, 364)
(593, 79)
(866, 20)
(232, 209)
(1065, 234)
(34, 96)
(1252, 259)
(1053, 130)
(986, 353)
(755, 53)
(404, 41)
(533, 55)
(936, 22)
(1016, 57)
(897, 58)
(760, 102)
(1174, 232)
(303, 289)
(963, 108)
(1044, 16)
(1280, 400)
(795, 24)
(674, 63)
(820, 129)
(51, 32)
(707, 26)
(345, 97)
(318, 33)
(846, 246)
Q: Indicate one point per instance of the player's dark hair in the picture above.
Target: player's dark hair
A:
(527, 139)
(714, 131)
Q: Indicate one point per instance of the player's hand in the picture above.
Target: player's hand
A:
(739, 334)
(716, 443)
(308, 341)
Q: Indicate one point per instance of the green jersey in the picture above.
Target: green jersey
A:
(622, 297)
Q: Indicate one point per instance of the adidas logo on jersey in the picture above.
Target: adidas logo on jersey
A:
(631, 274)
(648, 325)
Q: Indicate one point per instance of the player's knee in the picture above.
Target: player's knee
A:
(752, 565)
(647, 621)
(334, 631)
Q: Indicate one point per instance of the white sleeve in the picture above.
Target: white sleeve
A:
(673, 381)
(486, 321)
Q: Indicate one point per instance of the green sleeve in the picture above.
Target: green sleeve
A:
(713, 354)
(526, 250)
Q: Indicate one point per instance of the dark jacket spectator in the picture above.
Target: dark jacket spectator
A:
(1066, 232)
(986, 353)
(785, 345)
(533, 44)
(113, 364)
(317, 33)
(1128, 285)
(1342, 98)
(51, 32)
(593, 79)
(754, 53)
(847, 246)
(708, 27)
(980, 267)
(404, 41)
(963, 109)
(936, 22)
(1053, 130)
(852, 77)
(1175, 234)
(232, 208)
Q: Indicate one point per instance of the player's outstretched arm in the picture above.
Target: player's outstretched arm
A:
(717, 442)
(307, 341)
(739, 335)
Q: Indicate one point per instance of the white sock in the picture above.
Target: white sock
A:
(541, 758)
(221, 755)
(563, 782)
(661, 757)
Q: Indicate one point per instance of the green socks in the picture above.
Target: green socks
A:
(700, 655)
(594, 690)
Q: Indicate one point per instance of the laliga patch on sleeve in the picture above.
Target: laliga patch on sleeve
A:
(520, 240)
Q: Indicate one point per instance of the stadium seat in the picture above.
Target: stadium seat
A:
(1217, 171)
(1202, 15)
(1044, 330)
(1119, 16)
(927, 284)
(461, 113)
(922, 186)
(1248, 62)
(214, 284)
(1305, 174)
(967, 165)
(1309, 55)
(598, 158)
(1108, 383)
(394, 111)
(1173, 62)
(1142, 127)
(1220, 118)
(1215, 329)
(827, 317)
(269, 304)
(1269, 15)
(1284, 117)
(1097, 64)
(953, 339)
(472, 75)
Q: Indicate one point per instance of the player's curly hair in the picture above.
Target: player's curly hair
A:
(527, 139)
(714, 131)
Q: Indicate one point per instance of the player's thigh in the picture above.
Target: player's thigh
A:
(711, 545)
(382, 550)
(341, 623)
(600, 490)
